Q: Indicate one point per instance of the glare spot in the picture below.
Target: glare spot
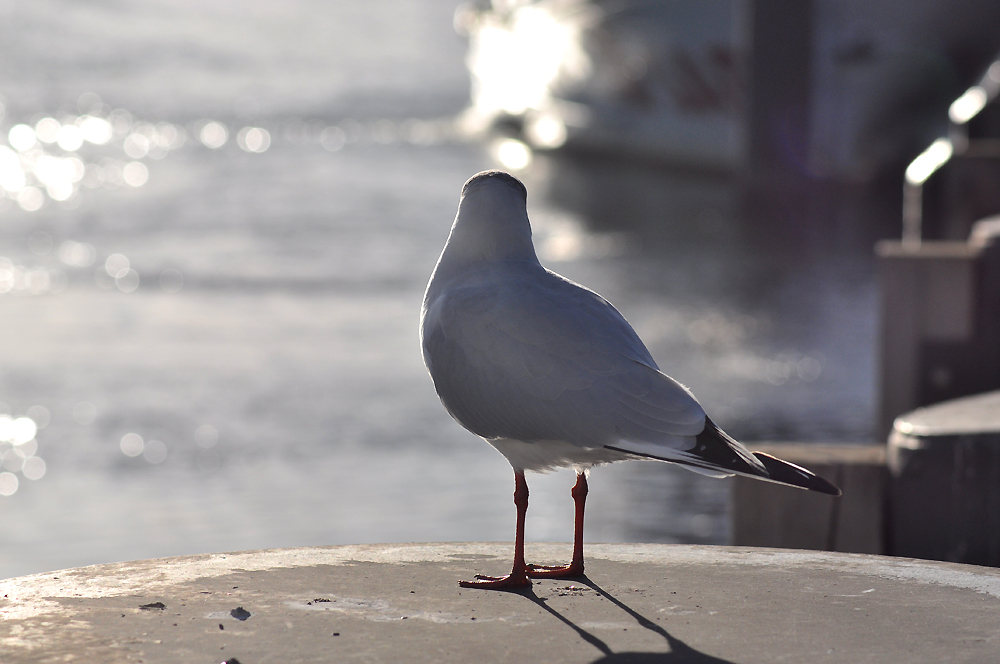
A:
(47, 130)
(84, 413)
(253, 139)
(171, 280)
(931, 159)
(23, 429)
(333, 138)
(95, 130)
(116, 264)
(33, 468)
(136, 146)
(206, 436)
(968, 105)
(30, 199)
(13, 460)
(79, 254)
(546, 131)
(6, 428)
(562, 247)
(58, 175)
(514, 60)
(70, 138)
(21, 137)
(213, 135)
(40, 243)
(8, 484)
(135, 174)
(131, 444)
(512, 154)
(127, 281)
(60, 191)
(41, 416)
(154, 452)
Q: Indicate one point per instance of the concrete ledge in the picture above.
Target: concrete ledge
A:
(401, 603)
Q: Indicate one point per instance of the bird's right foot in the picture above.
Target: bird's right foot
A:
(511, 580)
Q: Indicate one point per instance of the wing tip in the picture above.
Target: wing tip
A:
(784, 472)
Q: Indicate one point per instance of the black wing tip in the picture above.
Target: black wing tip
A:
(719, 449)
(783, 472)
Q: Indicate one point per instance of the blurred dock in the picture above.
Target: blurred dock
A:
(392, 603)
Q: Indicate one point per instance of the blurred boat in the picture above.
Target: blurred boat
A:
(672, 81)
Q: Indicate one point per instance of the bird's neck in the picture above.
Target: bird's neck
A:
(490, 226)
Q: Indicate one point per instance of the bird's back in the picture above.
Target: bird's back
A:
(519, 352)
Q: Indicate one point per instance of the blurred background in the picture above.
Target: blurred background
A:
(217, 220)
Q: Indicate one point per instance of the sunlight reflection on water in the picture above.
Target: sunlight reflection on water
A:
(218, 313)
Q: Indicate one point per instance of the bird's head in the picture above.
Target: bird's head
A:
(492, 221)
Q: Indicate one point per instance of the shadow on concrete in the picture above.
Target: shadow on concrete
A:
(680, 652)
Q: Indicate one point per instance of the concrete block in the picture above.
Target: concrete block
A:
(945, 497)
(766, 514)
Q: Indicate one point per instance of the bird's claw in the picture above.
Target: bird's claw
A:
(498, 582)
(573, 570)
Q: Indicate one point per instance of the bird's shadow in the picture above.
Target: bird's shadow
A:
(680, 652)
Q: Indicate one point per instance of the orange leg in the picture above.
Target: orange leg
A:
(518, 577)
(575, 568)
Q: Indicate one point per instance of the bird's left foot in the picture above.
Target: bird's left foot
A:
(571, 571)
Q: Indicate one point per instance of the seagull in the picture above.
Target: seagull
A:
(552, 376)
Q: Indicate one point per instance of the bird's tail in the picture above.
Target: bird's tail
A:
(717, 454)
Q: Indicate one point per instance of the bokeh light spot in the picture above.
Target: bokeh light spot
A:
(253, 139)
(213, 135)
(131, 444)
(512, 154)
(84, 413)
(206, 436)
(70, 138)
(21, 137)
(47, 130)
(41, 416)
(127, 281)
(23, 429)
(135, 174)
(8, 484)
(154, 452)
(171, 280)
(116, 264)
(33, 468)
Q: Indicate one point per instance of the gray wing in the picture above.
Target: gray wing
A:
(541, 358)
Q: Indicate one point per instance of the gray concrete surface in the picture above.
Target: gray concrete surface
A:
(402, 603)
